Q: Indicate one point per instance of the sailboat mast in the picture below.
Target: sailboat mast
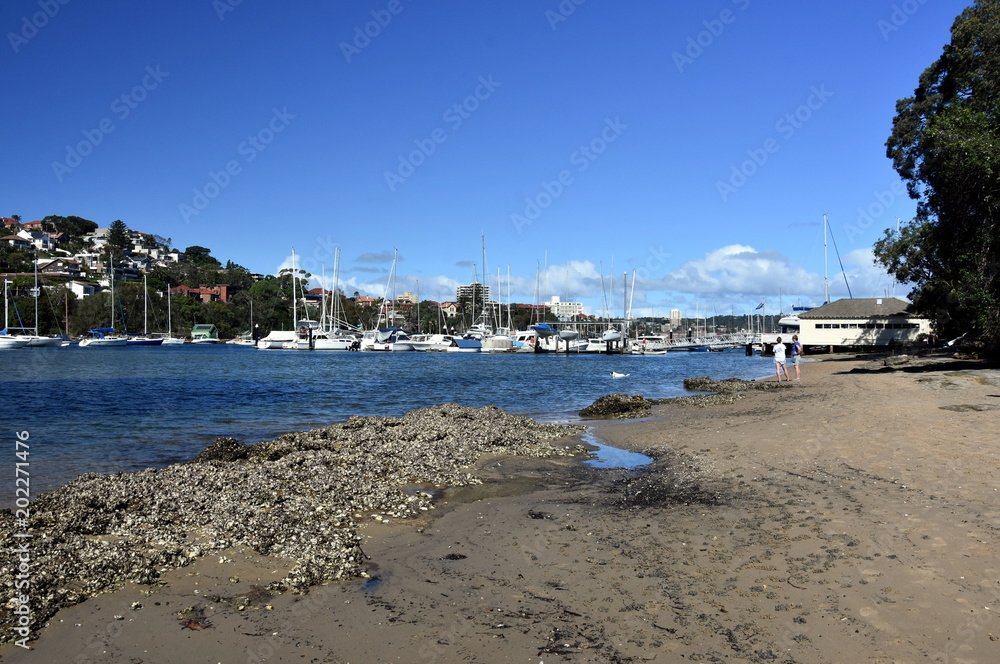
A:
(295, 295)
(35, 293)
(826, 268)
(111, 284)
(145, 307)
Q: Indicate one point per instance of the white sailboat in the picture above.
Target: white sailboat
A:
(330, 336)
(169, 339)
(105, 336)
(145, 339)
(388, 338)
(9, 340)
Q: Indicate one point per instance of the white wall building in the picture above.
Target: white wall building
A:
(564, 310)
(862, 322)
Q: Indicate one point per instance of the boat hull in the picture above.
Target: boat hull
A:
(45, 342)
(107, 342)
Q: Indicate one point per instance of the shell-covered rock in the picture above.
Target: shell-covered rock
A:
(619, 405)
(299, 497)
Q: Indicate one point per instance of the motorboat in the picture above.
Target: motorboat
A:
(276, 339)
(431, 342)
(101, 337)
(387, 339)
(464, 345)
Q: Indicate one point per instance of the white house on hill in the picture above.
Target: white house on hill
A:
(862, 322)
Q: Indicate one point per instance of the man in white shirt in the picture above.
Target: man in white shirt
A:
(779, 360)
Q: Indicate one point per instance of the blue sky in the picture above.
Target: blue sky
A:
(699, 145)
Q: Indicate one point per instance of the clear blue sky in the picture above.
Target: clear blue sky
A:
(574, 136)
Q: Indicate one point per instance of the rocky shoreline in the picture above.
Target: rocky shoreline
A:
(299, 497)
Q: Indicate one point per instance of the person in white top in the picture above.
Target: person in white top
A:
(779, 360)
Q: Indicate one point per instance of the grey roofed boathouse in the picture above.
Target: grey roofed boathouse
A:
(862, 322)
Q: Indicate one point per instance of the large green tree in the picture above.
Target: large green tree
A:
(201, 256)
(945, 144)
(118, 235)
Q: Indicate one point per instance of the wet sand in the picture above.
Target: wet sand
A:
(849, 518)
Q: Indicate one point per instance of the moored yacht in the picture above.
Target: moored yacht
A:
(102, 336)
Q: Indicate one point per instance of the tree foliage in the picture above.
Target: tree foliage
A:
(118, 235)
(945, 144)
(201, 256)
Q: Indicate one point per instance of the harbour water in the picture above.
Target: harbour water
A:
(124, 409)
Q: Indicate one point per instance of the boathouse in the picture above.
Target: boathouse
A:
(863, 323)
(204, 333)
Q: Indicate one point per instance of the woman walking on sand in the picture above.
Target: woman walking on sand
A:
(779, 360)
(796, 354)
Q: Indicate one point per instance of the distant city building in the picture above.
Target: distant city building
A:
(675, 317)
(475, 292)
(564, 310)
(406, 298)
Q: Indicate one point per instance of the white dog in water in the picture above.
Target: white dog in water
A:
(615, 374)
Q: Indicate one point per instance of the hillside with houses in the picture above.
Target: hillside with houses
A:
(155, 282)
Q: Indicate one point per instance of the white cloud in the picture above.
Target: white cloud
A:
(739, 271)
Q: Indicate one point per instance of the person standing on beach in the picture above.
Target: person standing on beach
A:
(779, 360)
(796, 354)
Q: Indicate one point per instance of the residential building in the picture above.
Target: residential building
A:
(474, 292)
(564, 310)
(62, 267)
(220, 293)
(17, 242)
(81, 289)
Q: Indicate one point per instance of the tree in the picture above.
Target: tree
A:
(118, 236)
(945, 144)
(201, 257)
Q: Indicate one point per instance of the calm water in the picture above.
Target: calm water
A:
(120, 409)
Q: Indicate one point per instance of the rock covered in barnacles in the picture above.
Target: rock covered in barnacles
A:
(706, 384)
(223, 449)
(298, 497)
(619, 405)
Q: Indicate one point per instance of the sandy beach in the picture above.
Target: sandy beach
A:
(851, 517)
